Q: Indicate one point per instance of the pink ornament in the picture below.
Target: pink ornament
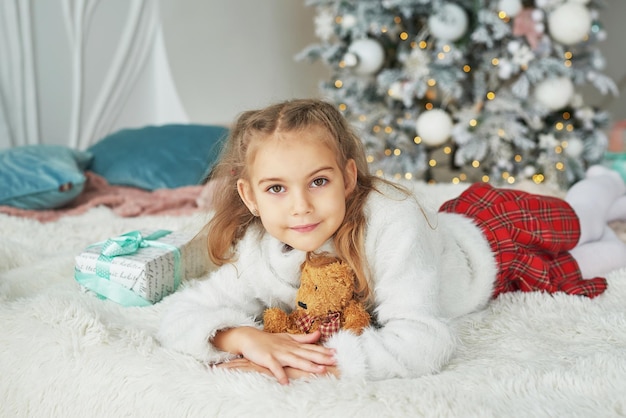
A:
(525, 25)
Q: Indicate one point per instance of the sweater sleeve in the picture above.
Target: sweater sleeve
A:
(409, 337)
(194, 314)
(234, 295)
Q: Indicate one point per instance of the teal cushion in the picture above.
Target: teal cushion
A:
(156, 157)
(41, 176)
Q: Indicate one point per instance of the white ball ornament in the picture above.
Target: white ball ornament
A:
(510, 7)
(450, 24)
(365, 56)
(574, 147)
(434, 127)
(554, 93)
(569, 23)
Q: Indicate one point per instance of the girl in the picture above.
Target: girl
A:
(293, 180)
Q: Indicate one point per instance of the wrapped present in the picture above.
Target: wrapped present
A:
(140, 268)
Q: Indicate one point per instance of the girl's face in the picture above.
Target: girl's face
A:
(298, 189)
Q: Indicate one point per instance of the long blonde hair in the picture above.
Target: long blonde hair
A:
(232, 218)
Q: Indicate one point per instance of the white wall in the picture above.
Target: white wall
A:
(225, 56)
(228, 56)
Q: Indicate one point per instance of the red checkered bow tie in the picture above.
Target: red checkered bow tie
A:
(328, 324)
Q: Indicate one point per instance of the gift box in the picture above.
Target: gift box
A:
(140, 268)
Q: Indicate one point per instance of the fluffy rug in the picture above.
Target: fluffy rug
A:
(66, 353)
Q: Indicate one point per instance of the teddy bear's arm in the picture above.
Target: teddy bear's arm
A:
(355, 317)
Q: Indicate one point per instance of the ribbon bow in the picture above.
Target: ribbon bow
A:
(125, 244)
(328, 324)
(128, 243)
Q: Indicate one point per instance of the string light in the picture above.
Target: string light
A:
(432, 162)
(538, 178)
(338, 84)
(560, 166)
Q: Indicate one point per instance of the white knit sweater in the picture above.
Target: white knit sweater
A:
(425, 268)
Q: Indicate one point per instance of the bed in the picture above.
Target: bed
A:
(64, 352)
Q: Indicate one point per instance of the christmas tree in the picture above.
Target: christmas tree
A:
(487, 89)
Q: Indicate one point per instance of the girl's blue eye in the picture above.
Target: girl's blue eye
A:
(319, 182)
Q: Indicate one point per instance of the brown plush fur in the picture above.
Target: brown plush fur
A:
(326, 286)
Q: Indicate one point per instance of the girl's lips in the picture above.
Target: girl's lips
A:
(304, 228)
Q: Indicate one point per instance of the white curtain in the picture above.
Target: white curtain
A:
(133, 87)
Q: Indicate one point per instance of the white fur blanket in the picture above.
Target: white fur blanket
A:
(66, 353)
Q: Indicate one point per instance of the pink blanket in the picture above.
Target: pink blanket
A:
(124, 201)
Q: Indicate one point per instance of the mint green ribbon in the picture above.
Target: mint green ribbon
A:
(125, 244)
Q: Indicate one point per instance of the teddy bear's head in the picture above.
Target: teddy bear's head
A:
(326, 285)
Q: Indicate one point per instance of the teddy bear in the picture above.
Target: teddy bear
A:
(325, 300)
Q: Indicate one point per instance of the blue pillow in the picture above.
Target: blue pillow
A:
(156, 157)
(41, 176)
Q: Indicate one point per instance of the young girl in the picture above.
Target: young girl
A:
(293, 179)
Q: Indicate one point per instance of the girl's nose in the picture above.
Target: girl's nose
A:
(301, 203)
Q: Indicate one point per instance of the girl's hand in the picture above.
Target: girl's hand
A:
(245, 365)
(275, 352)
